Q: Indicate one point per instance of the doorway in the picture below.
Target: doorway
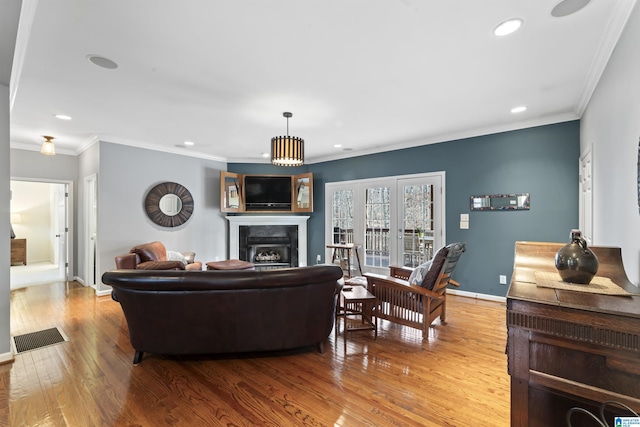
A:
(397, 220)
(40, 221)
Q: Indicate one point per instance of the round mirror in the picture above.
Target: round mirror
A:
(169, 204)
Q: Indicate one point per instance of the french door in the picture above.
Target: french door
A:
(419, 229)
(396, 220)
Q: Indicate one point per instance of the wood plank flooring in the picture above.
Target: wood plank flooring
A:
(458, 378)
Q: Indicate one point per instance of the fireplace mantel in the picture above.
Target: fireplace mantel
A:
(300, 221)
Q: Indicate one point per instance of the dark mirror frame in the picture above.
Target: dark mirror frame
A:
(500, 202)
(152, 204)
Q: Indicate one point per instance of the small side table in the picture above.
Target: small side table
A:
(358, 301)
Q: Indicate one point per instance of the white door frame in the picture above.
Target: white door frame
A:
(586, 196)
(65, 259)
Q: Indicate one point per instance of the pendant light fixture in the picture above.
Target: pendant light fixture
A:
(48, 149)
(287, 150)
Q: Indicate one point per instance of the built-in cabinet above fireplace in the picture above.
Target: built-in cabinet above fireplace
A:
(266, 193)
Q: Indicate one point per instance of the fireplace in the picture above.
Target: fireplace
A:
(269, 241)
(269, 246)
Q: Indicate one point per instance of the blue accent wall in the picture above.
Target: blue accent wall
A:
(542, 161)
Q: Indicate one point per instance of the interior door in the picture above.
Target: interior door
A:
(91, 234)
(62, 230)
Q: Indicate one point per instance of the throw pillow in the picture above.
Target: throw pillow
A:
(160, 265)
(419, 273)
(176, 256)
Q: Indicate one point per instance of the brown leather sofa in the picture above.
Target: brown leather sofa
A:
(206, 312)
(153, 256)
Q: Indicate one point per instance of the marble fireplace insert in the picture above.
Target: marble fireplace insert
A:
(276, 241)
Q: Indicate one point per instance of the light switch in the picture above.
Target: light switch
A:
(464, 217)
(464, 225)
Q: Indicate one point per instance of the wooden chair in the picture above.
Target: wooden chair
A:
(414, 305)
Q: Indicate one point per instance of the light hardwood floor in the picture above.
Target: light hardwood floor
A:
(458, 378)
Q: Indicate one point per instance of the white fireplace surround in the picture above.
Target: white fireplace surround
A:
(236, 221)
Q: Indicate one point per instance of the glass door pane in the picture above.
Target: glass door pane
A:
(417, 221)
(342, 216)
(377, 226)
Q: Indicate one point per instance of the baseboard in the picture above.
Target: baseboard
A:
(6, 357)
(103, 292)
(79, 280)
(475, 295)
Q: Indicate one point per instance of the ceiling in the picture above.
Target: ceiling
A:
(370, 75)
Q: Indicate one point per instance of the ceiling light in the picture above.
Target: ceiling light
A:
(568, 7)
(518, 109)
(287, 150)
(265, 155)
(103, 62)
(63, 117)
(337, 145)
(189, 143)
(48, 149)
(507, 27)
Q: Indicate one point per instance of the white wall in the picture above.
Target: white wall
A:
(127, 174)
(611, 125)
(5, 232)
(9, 18)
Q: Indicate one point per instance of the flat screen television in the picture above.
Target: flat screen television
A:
(267, 193)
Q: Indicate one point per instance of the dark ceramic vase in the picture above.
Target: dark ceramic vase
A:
(575, 262)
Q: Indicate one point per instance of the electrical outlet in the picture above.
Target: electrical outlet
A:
(503, 279)
(318, 259)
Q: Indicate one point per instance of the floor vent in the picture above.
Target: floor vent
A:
(36, 340)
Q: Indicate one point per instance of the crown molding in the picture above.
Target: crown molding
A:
(615, 27)
(171, 150)
(25, 23)
(86, 144)
(34, 147)
(470, 133)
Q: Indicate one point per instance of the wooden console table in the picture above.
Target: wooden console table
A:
(19, 251)
(566, 348)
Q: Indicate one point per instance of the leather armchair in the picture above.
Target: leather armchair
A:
(153, 256)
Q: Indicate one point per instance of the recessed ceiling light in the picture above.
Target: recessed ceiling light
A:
(101, 61)
(518, 109)
(337, 145)
(189, 143)
(568, 7)
(265, 155)
(63, 117)
(507, 27)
